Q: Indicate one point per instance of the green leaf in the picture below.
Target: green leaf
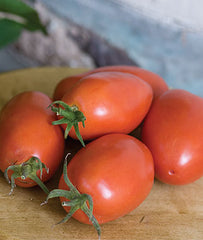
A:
(10, 31)
(23, 10)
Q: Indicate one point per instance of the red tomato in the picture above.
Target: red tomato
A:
(26, 131)
(111, 102)
(157, 83)
(173, 131)
(116, 170)
(65, 84)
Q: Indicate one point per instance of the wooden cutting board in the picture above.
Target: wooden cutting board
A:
(168, 213)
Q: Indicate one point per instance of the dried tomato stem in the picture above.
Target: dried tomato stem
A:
(75, 200)
(25, 170)
(71, 116)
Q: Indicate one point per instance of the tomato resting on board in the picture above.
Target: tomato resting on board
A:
(111, 102)
(28, 140)
(173, 131)
(157, 83)
(116, 170)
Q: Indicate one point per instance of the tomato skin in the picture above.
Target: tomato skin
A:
(157, 83)
(26, 130)
(173, 132)
(116, 170)
(65, 84)
(111, 102)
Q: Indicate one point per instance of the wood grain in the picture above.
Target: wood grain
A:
(168, 213)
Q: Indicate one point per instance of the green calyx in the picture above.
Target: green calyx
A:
(70, 116)
(76, 201)
(25, 170)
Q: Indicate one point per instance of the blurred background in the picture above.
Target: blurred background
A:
(163, 36)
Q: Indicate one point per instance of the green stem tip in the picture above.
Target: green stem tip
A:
(75, 200)
(25, 170)
(71, 116)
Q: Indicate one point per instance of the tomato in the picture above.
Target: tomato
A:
(173, 131)
(110, 101)
(65, 84)
(29, 140)
(116, 170)
(157, 83)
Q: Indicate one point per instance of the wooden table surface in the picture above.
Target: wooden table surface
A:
(168, 213)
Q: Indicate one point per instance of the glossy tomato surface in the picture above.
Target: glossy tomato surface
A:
(116, 170)
(65, 84)
(173, 131)
(157, 83)
(111, 102)
(26, 131)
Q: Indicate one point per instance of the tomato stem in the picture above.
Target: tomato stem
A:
(75, 200)
(25, 170)
(70, 116)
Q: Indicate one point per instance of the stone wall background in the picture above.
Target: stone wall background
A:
(67, 44)
(92, 33)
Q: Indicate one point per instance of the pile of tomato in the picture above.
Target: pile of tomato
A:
(114, 171)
